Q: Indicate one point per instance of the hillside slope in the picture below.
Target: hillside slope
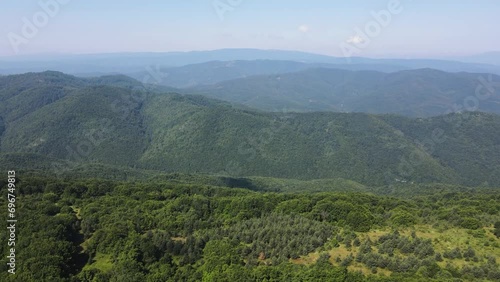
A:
(192, 134)
(414, 93)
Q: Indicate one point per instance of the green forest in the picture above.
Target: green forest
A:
(161, 229)
(120, 182)
(54, 118)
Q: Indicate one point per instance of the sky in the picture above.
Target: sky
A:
(367, 28)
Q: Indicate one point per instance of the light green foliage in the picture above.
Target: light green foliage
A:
(102, 230)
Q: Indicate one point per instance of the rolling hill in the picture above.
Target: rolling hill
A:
(83, 121)
(414, 93)
(218, 71)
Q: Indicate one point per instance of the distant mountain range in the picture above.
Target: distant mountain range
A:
(218, 71)
(111, 121)
(414, 93)
(492, 58)
(127, 63)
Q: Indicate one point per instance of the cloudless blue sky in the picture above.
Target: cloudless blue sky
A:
(425, 28)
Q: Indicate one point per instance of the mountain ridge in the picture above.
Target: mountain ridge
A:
(139, 62)
(416, 93)
(193, 134)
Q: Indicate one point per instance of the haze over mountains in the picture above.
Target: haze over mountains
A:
(240, 141)
(415, 93)
(484, 58)
(274, 80)
(259, 113)
(139, 62)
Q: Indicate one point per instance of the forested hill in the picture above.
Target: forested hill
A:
(114, 120)
(413, 93)
(94, 230)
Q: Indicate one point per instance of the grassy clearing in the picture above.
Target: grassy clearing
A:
(482, 241)
(103, 262)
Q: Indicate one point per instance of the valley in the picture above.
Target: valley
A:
(125, 181)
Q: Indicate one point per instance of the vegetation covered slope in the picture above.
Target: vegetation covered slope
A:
(192, 134)
(217, 71)
(101, 230)
(73, 142)
(414, 93)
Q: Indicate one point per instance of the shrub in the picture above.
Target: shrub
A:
(470, 223)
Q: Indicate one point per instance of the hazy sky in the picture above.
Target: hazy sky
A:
(420, 28)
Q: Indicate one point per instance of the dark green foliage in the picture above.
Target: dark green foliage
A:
(470, 223)
(169, 231)
(415, 93)
(388, 244)
(496, 231)
(453, 138)
(360, 220)
(2, 126)
(469, 254)
(453, 254)
(113, 121)
(279, 237)
(403, 218)
(220, 253)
